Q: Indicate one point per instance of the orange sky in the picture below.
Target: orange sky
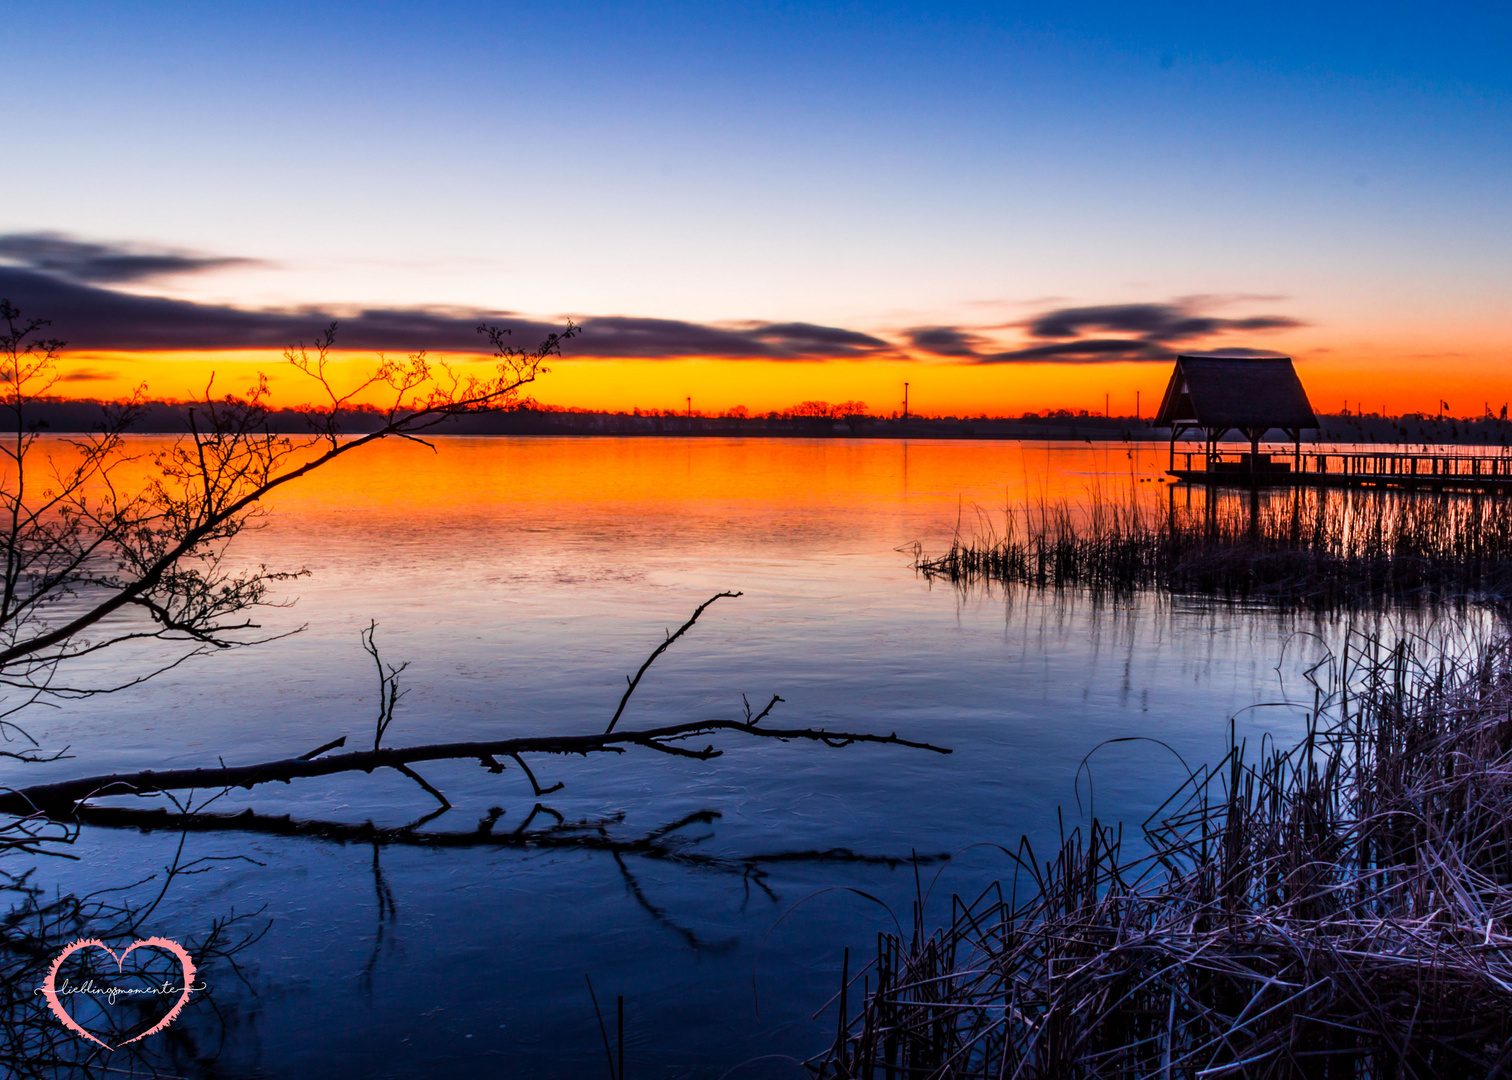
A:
(1397, 383)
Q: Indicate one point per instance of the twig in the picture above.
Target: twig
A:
(315, 753)
(681, 630)
(417, 778)
(534, 784)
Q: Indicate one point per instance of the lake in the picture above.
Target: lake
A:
(523, 580)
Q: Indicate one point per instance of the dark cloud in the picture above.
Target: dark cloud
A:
(626, 336)
(1119, 333)
(825, 340)
(103, 264)
(89, 317)
(1153, 322)
(944, 340)
(57, 278)
(1241, 354)
(1086, 351)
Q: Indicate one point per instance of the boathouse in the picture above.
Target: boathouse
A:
(1209, 396)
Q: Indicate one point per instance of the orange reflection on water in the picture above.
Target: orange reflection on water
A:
(742, 480)
(738, 490)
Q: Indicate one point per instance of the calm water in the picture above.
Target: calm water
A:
(523, 580)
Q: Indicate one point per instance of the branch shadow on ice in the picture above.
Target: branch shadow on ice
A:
(669, 844)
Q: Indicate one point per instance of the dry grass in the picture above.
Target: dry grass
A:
(1315, 549)
(1339, 910)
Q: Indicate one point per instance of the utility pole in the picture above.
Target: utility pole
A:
(1136, 404)
(1106, 407)
(690, 408)
(905, 401)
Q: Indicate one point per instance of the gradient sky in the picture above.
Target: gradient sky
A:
(814, 201)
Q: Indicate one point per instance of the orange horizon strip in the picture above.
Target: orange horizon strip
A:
(1397, 385)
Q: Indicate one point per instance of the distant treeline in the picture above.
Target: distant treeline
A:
(805, 421)
(1488, 430)
(809, 420)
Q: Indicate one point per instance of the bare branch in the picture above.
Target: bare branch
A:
(681, 630)
(315, 753)
(417, 778)
(534, 784)
(59, 799)
(388, 684)
(167, 541)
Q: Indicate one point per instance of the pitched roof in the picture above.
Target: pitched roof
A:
(1236, 392)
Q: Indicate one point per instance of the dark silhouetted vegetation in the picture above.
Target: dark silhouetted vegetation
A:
(1309, 549)
(1342, 909)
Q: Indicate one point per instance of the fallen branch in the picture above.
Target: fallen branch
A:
(60, 799)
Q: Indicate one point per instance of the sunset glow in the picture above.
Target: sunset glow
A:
(1363, 381)
(1010, 208)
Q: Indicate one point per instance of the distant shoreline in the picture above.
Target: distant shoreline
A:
(168, 418)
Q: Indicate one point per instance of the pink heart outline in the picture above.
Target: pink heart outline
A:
(50, 984)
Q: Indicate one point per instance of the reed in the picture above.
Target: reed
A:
(1314, 549)
(1342, 909)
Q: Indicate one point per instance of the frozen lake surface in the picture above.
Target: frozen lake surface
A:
(523, 580)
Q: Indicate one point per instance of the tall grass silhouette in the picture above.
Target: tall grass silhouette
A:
(1340, 909)
(1317, 549)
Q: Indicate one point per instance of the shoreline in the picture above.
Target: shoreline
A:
(171, 418)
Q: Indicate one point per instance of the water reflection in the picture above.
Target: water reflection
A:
(522, 580)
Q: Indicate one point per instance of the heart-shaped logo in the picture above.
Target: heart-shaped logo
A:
(50, 984)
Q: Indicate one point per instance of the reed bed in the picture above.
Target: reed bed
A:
(1341, 909)
(1314, 549)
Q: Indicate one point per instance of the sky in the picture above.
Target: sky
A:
(1010, 207)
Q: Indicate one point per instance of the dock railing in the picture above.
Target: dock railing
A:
(1351, 467)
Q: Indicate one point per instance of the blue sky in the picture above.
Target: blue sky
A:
(872, 166)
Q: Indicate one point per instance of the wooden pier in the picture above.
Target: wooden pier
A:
(1449, 470)
(1212, 395)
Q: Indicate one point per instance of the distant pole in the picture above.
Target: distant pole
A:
(905, 401)
(1106, 406)
(690, 408)
(1136, 404)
